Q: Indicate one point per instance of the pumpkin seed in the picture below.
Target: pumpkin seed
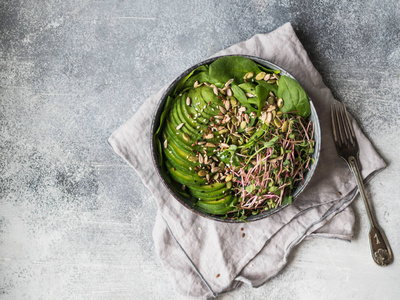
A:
(285, 126)
(279, 113)
(223, 131)
(193, 158)
(271, 81)
(202, 173)
(228, 177)
(267, 77)
(221, 165)
(277, 122)
(216, 176)
(186, 137)
(260, 76)
(280, 103)
(180, 126)
(271, 100)
(229, 184)
(248, 75)
(233, 101)
(243, 125)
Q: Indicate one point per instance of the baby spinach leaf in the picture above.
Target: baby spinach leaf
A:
(241, 97)
(228, 67)
(261, 95)
(270, 87)
(294, 97)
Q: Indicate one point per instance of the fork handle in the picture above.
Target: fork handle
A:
(380, 248)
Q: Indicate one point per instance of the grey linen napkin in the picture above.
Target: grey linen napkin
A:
(205, 258)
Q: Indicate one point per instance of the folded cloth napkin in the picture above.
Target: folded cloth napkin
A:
(205, 258)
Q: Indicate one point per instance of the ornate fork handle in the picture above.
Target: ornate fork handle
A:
(380, 248)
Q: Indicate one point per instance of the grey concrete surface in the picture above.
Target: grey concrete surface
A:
(75, 220)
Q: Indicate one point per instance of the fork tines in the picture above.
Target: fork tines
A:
(343, 131)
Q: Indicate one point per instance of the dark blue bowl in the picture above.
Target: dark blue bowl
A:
(188, 203)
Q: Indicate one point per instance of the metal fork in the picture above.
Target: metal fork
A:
(347, 147)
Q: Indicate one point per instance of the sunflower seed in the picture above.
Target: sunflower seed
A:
(201, 143)
(246, 118)
(186, 137)
(214, 158)
(224, 145)
(218, 117)
(165, 144)
(227, 105)
(205, 159)
(183, 187)
(248, 75)
(208, 177)
(215, 90)
(267, 77)
(180, 126)
(260, 76)
(200, 158)
(250, 95)
(209, 136)
(222, 92)
(222, 109)
(263, 116)
(269, 117)
(229, 81)
(242, 109)
(276, 76)
(229, 93)
(215, 170)
(216, 176)
(197, 84)
(210, 145)
(223, 131)
(271, 108)
(202, 173)
(188, 101)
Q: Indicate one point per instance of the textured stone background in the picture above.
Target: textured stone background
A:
(75, 220)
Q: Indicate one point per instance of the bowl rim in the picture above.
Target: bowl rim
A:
(265, 214)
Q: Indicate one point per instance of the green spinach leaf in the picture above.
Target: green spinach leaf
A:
(294, 97)
(228, 67)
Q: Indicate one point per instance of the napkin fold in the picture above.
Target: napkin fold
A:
(204, 257)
